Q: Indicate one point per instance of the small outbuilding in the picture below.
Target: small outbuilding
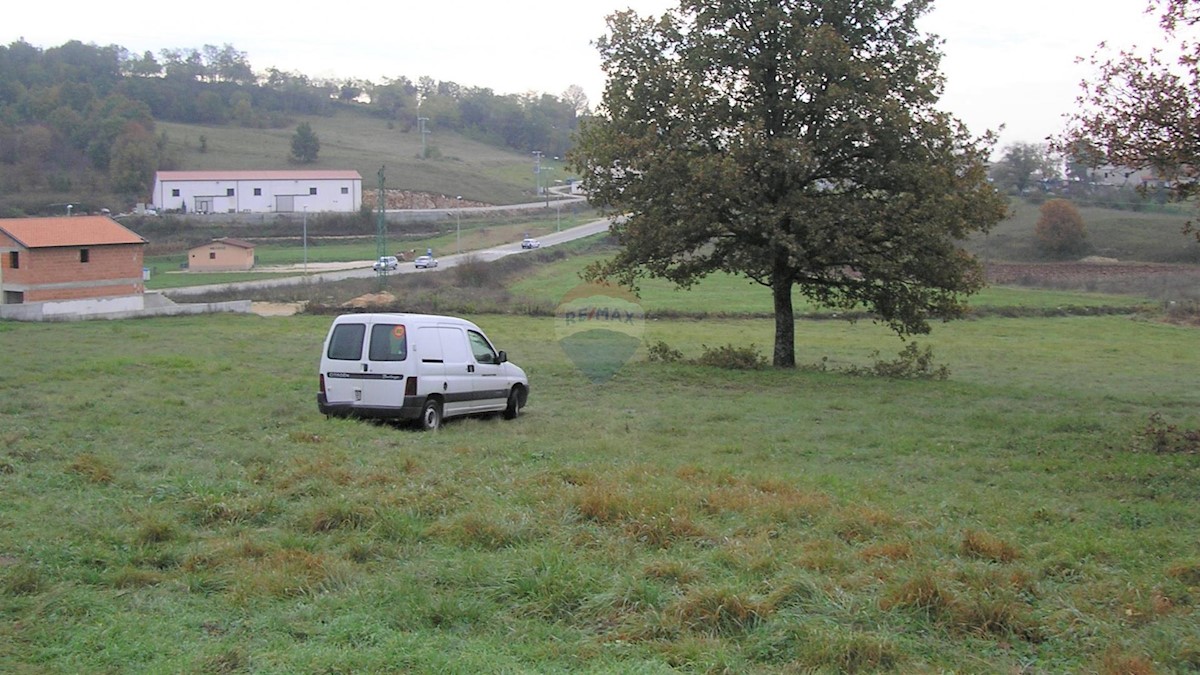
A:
(68, 258)
(224, 254)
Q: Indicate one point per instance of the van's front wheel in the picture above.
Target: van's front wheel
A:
(513, 409)
(431, 415)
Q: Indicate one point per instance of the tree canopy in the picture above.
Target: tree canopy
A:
(305, 144)
(1141, 109)
(1024, 164)
(796, 143)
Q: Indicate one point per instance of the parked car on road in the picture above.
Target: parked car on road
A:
(425, 261)
(386, 264)
(417, 367)
(530, 243)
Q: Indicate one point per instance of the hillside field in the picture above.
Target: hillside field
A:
(356, 140)
(173, 502)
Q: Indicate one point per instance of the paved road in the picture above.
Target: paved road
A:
(587, 230)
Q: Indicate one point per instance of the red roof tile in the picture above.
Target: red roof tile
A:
(259, 175)
(64, 231)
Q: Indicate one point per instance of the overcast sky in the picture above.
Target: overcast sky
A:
(1010, 63)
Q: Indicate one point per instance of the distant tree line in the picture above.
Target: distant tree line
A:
(82, 117)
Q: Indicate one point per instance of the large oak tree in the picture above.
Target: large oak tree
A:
(795, 142)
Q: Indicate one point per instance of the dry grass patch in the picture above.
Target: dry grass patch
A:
(287, 573)
(985, 546)
(1187, 573)
(924, 592)
(674, 571)
(663, 530)
(155, 529)
(769, 502)
(899, 550)
(92, 468)
(338, 514)
(1116, 661)
(476, 530)
(321, 470)
(718, 612)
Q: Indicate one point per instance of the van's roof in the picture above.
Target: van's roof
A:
(401, 316)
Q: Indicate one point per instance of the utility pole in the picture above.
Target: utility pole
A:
(537, 173)
(424, 132)
(381, 227)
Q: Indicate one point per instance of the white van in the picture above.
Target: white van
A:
(415, 367)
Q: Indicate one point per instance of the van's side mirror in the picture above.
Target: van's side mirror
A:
(502, 357)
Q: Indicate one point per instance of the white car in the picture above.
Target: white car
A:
(386, 264)
(425, 261)
(529, 242)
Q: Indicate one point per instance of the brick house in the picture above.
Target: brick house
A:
(221, 255)
(68, 258)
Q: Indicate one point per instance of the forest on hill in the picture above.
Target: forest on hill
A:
(80, 119)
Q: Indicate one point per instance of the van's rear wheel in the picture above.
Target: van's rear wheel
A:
(431, 415)
(514, 405)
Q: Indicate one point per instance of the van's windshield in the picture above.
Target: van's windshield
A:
(389, 342)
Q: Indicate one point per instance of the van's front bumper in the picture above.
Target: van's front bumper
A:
(410, 410)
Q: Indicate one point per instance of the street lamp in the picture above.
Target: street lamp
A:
(458, 225)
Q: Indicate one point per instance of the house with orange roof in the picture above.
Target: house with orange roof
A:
(68, 258)
(285, 191)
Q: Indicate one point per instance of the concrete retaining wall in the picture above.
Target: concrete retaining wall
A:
(124, 307)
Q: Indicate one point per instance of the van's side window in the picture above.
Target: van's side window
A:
(481, 349)
(389, 342)
(346, 343)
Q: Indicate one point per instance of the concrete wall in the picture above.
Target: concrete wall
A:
(116, 308)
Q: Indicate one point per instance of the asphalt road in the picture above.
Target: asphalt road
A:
(489, 254)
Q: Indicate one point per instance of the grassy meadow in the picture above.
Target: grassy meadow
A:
(173, 502)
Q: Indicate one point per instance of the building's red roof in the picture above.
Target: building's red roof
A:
(68, 231)
(336, 174)
(228, 241)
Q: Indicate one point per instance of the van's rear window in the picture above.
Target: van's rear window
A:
(347, 340)
(389, 342)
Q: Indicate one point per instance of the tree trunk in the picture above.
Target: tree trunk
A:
(785, 323)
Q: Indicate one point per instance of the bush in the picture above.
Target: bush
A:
(912, 363)
(732, 357)
(662, 352)
(1060, 231)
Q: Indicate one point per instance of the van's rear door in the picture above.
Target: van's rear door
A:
(344, 363)
(385, 367)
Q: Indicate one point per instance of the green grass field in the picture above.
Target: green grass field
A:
(724, 294)
(173, 502)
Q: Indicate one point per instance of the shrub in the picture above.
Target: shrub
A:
(1160, 437)
(662, 352)
(912, 363)
(732, 357)
(1060, 232)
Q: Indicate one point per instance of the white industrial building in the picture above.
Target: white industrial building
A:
(257, 191)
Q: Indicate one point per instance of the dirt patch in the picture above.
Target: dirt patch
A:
(276, 308)
(371, 300)
(407, 199)
(1084, 272)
